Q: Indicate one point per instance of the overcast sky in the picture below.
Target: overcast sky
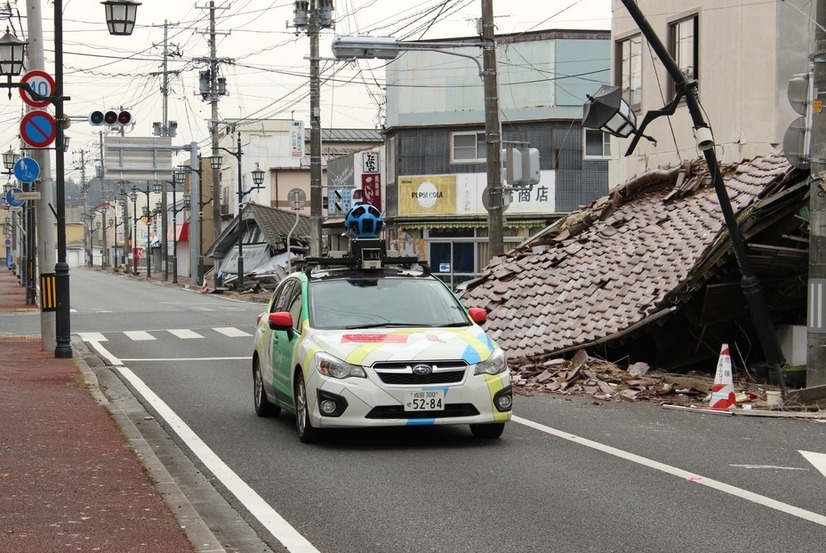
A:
(263, 60)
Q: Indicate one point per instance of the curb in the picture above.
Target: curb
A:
(198, 533)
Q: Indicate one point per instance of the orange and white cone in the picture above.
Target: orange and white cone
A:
(205, 288)
(722, 392)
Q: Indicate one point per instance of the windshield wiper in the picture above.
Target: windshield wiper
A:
(377, 325)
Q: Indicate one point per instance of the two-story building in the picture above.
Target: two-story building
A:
(435, 142)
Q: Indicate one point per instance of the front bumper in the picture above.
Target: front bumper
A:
(369, 402)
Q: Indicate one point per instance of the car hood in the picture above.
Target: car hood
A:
(365, 347)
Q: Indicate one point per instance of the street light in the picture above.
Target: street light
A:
(178, 178)
(387, 48)
(606, 113)
(157, 188)
(10, 157)
(120, 16)
(215, 161)
(12, 55)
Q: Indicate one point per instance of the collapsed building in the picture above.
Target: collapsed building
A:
(648, 274)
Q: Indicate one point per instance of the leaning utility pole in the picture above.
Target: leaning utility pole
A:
(45, 217)
(816, 334)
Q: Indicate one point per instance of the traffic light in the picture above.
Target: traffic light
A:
(110, 118)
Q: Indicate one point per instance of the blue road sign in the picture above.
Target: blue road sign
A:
(10, 198)
(26, 169)
(38, 129)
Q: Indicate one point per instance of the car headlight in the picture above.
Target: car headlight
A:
(336, 368)
(495, 364)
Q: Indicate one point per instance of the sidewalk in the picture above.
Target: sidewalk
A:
(69, 480)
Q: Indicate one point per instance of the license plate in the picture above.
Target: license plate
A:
(425, 400)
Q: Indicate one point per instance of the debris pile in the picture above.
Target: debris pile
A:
(584, 375)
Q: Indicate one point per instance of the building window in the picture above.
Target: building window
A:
(467, 147)
(683, 47)
(597, 144)
(630, 70)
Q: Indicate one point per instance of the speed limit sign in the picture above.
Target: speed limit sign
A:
(42, 83)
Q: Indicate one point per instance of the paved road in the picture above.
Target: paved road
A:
(568, 475)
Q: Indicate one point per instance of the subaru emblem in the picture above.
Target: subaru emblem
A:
(422, 370)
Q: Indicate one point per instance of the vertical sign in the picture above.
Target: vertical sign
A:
(371, 190)
(297, 140)
(370, 179)
(369, 162)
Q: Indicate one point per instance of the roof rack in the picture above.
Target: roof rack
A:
(368, 254)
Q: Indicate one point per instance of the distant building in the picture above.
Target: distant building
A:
(435, 148)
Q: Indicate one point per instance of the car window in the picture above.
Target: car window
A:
(363, 302)
(294, 306)
(283, 294)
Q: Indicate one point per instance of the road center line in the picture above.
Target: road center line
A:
(689, 476)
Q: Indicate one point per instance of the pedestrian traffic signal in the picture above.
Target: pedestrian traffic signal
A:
(110, 118)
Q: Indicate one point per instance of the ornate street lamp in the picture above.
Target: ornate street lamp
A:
(258, 176)
(607, 111)
(10, 157)
(12, 54)
(120, 16)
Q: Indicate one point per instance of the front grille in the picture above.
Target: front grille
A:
(443, 372)
(398, 412)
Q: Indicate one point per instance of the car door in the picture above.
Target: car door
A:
(284, 341)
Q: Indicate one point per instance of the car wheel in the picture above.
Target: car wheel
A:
(306, 432)
(263, 407)
(487, 431)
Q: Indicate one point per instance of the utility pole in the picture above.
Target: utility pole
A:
(816, 334)
(493, 137)
(213, 123)
(45, 218)
(312, 18)
(212, 87)
(87, 231)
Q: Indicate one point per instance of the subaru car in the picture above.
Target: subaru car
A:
(372, 343)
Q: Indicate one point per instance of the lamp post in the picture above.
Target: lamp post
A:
(258, 178)
(608, 112)
(157, 188)
(11, 63)
(133, 195)
(196, 268)
(178, 177)
(387, 48)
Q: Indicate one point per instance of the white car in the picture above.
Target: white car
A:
(379, 346)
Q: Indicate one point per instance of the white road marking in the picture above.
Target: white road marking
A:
(185, 333)
(92, 337)
(231, 331)
(167, 359)
(689, 476)
(139, 335)
(767, 467)
(817, 459)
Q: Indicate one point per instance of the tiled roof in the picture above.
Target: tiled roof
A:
(626, 258)
(347, 135)
(276, 224)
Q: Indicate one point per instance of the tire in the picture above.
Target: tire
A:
(263, 407)
(487, 431)
(306, 432)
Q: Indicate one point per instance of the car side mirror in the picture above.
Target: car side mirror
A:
(281, 320)
(478, 315)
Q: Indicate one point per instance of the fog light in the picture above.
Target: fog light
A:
(331, 405)
(503, 400)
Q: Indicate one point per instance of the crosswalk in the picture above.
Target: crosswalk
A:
(180, 333)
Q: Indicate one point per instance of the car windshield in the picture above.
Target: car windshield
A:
(363, 302)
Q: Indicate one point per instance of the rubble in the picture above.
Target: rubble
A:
(606, 381)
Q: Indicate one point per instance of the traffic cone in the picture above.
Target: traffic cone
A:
(205, 288)
(722, 391)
